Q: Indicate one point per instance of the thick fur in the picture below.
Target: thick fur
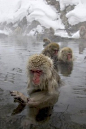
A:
(82, 32)
(62, 56)
(49, 81)
(50, 78)
(46, 41)
(50, 49)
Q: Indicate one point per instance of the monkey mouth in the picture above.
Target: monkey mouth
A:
(36, 82)
(55, 52)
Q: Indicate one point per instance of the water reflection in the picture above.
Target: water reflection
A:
(65, 69)
(42, 111)
(70, 110)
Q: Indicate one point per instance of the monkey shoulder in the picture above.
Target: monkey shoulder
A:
(56, 76)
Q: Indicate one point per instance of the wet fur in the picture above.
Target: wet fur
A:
(50, 78)
(49, 50)
(62, 56)
(49, 81)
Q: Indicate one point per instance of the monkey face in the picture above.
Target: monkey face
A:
(39, 69)
(66, 54)
(54, 48)
(36, 75)
(55, 51)
(39, 76)
(69, 56)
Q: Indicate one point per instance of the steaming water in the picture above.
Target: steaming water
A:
(70, 110)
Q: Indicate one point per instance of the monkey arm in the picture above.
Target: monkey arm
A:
(44, 101)
(19, 109)
(19, 97)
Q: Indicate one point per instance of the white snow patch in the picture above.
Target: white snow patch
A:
(76, 35)
(62, 33)
(77, 15)
(38, 30)
(65, 3)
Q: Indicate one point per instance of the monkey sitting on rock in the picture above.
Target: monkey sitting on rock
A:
(43, 82)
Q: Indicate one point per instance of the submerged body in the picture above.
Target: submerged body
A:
(42, 80)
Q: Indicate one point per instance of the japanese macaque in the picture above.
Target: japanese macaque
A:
(35, 115)
(43, 81)
(46, 41)
(82, 32)
(65, 55)
(51, 51)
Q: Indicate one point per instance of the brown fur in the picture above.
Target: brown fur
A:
(49, 80)
(46, 41)
(50, 49)
(62, 56)
(82, 32)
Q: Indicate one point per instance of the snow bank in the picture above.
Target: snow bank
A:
(65, 3)
(35, 31)
(62, 33)
(13, 11)
(76, 35)
(77, 15)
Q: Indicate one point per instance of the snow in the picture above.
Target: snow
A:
(37, 10)
(62, 33)
(46, 15)
(77, 15)
(76, 35)
(35, 31)
(65, 3)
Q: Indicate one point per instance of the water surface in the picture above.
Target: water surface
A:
(70, 110)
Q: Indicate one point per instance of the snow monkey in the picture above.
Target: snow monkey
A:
(51, 50)
(46, 41)
(82, 32)
(65, 55)
(43, 81)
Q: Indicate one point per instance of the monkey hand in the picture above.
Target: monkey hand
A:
(19, 97)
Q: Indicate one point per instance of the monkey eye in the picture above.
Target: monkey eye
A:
(32, 71)
(36, 71)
